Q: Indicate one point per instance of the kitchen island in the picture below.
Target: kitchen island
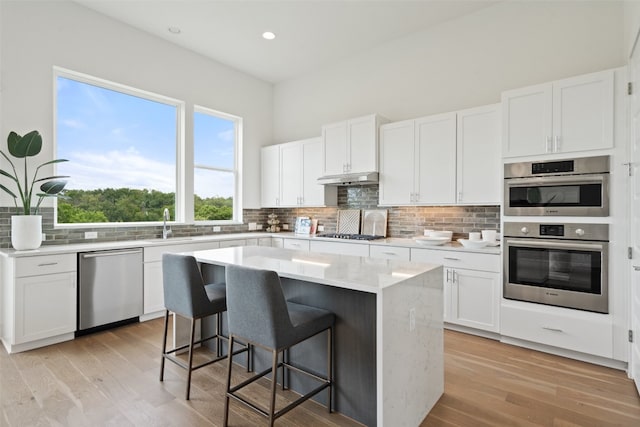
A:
(389, 368)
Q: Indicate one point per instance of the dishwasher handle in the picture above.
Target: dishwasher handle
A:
(110, 253)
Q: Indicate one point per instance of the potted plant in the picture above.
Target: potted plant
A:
(26, 228)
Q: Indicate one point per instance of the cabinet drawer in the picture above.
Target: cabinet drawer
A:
(389, 252)
(300, 245)
(46, 264)
(460, 259)
(589, 333)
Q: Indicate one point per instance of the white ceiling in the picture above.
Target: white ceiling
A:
(310, 34)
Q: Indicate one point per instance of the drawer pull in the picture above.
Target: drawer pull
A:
(549, 328)
(46, 264)
(636, 267)
(452, 259)
(389, 253)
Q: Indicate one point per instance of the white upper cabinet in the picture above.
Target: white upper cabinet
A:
(351, 146)
(435, 173)
(290, 175)
(270, 173)
(442, 159)
(478, 156)
(569, 115)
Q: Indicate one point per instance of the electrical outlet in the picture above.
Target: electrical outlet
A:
(412, 319)
(259, 227)
(285, 226)
(90, 234)
(321, 228)
(216, 229)
(253, 226)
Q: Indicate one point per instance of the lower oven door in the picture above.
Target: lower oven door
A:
(569, 274)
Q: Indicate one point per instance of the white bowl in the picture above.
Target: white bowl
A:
(473, 244)
(439, 233)
(432, 241)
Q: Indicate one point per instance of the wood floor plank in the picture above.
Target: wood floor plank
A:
(112, 379)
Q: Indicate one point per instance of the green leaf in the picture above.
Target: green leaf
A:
(51, 177)
(53, 187)
(12, 140)
(8, 175)
(2, 187)
(50, 162)
(28, 146)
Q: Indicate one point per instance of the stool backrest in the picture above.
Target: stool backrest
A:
(184, 291)
(256, 306)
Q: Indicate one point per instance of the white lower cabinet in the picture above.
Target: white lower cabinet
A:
(297, 244)
(471, 286)
(340, 248)
(153, 293)
(39, 300)
(585, 332)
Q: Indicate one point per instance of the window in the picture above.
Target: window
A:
(121, 146)
(215, 171)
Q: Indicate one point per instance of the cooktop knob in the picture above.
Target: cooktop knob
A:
(580, 232)
(524, 230)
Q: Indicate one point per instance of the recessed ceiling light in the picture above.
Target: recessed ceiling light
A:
(268, 35)
(174, 30)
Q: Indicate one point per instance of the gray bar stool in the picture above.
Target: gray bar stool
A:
(259, 315)
(186, 295)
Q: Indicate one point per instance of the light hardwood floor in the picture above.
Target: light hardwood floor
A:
(111, 378)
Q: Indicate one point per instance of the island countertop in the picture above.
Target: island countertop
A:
(349, 272)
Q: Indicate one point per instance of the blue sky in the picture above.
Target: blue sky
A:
(115, 140)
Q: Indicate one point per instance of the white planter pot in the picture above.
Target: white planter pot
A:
(26, 232)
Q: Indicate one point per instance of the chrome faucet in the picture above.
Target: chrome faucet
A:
(166, 232)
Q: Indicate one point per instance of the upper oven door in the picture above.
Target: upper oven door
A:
(572, 195)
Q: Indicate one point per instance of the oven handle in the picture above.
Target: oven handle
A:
(550, 180)
(555, 245)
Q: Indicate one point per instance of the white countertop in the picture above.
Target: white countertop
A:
(350, 272)
(97, 246)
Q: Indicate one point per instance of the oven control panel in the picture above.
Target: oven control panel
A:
(568, 231)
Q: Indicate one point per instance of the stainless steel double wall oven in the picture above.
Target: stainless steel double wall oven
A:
(561, 263)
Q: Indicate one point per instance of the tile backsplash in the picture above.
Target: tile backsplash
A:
(405, 221)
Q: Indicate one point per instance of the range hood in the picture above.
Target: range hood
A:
(363, 178)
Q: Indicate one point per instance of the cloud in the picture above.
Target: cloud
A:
(208, 183)
(74, 124)
(227, 135)
(118, 169)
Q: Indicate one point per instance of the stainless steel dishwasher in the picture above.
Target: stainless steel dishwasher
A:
(110, 288)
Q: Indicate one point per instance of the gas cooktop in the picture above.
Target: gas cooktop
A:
(350, 236)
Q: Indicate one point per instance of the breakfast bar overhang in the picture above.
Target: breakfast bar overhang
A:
(389, 368)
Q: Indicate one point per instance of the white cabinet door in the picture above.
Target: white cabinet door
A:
(334, 137)
(478, 156)
(436, 155)
(314, 194)
(527, 115)
(397, 153)
(362, 145)
(270, 174)
(583, 113)
(153, 294)
(45, 306)
(475, 299)
(290, 174)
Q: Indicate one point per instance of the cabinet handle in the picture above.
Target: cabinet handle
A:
(636, 267)
(459, 196)
(556, 145)
(277, 201)
(390, 253)
(448, 276)
(549, 148)
(455, 276)
(452, 259)
(45, 264)
(549, 328)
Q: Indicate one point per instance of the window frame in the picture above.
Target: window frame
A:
(180, 144)
(237, 172)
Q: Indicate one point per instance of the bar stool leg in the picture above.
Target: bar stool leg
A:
(193, 329)
(225, 422)
(329, 367)
(164, 343)
(274, 383)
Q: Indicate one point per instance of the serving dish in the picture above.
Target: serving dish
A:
(473, 244)
(440, 234)
(432, 241)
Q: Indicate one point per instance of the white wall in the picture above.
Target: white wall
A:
(462, 63)
(35, 36)
(631, 24)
